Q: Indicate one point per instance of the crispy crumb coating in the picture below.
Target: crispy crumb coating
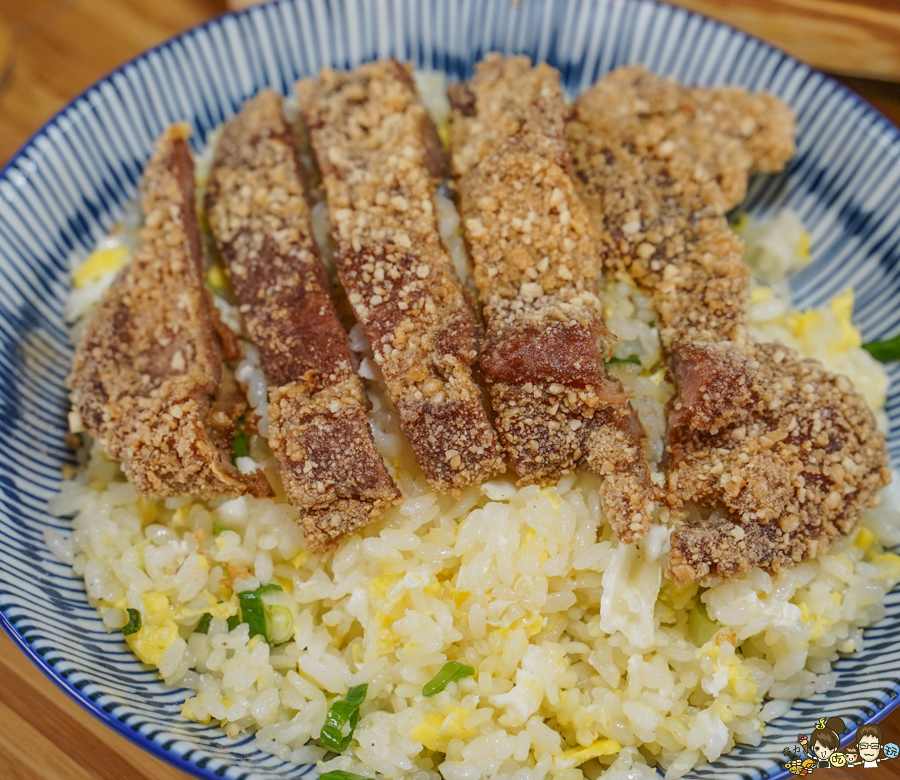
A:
(658, 165)
(794, 474)
(380, 158)
(536, 269)
(259, 214)
(789, 454)
(148, 377)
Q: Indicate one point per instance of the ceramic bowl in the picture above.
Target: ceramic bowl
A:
(70, 183)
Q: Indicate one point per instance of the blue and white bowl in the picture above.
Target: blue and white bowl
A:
(69, 185)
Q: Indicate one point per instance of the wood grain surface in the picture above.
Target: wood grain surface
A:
(853, 38)
(62, 46)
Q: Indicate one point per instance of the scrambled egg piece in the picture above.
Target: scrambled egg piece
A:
(728, 671)
(158, 629)
(439, 727)
(388, 596)
(888, 562)
(98, 264)
(812, 322)
(579, 755)
(864, 539)
(215, 278)
(819, 624)
(222, 610)
(188, 712)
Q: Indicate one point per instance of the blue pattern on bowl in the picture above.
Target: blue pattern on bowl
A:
(68, 186)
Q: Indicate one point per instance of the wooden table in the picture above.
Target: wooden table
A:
(65, 45)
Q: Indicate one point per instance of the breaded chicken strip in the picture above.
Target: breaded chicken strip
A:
(259, 215)
(148, 377)
(536, 269)
(380, 159)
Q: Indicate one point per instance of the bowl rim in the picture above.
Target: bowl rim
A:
(13, 164)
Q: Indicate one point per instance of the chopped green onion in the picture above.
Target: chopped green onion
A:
(701, 626)
(217, 529)
(452, 670)
(203, 625)
(267, 588)
(134, 623)
(342, 717)
(634, 359)
(884, 351)
(240, 444)
(233, 622)
(279, 623)
(340, 774)
(252, 610)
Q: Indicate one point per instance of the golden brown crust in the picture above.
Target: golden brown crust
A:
(789, 454)
(659, 165)
(259, 215)
(536, 269)
(378, 160)
(148, 377)
(791, 477)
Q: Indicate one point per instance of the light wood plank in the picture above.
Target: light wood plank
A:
(35, 703)
(33, 754)
(78, 42)
(851, 38)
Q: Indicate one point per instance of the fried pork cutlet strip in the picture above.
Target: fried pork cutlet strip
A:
(792, 477)
(259, 214)
(658, 166)
(536, 269)
(148, 377)
(788, 453)
(380, 158)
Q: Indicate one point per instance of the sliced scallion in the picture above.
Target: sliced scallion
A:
(279, 623)
(885, 351)
(633, 359)
(233, 622)
(252, 610)
(451, 671)
(701, 627)
(203, 625)
(342, 718)
(134, 623)
(240, 445)
(340, 774)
